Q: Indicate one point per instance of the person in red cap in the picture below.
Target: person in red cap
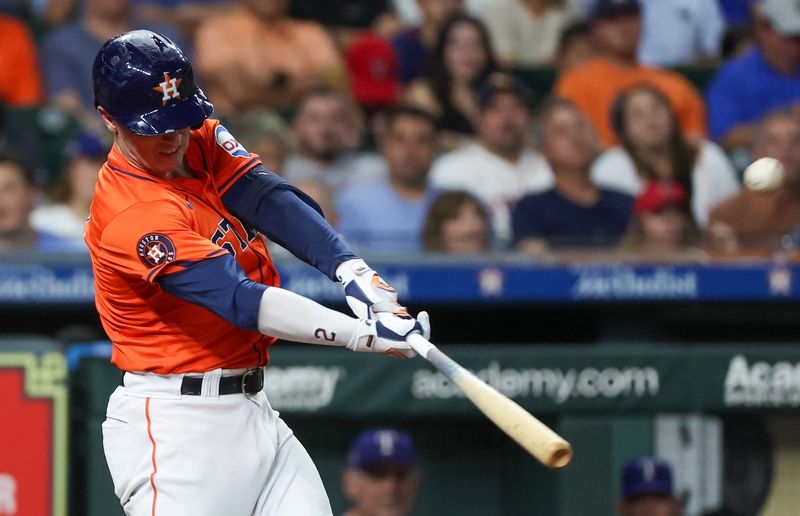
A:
(372, 65)
(662, 228)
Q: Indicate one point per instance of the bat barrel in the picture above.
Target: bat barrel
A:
(519, 424)
(561, 456)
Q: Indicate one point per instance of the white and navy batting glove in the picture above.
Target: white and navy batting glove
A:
(366, 293)
(387, 334)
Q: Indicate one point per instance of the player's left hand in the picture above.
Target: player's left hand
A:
(366, 293)
(387, 334)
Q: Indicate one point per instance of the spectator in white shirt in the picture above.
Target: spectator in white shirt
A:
(499, 168)
(654, 148)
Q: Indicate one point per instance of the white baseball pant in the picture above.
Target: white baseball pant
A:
(208, 455)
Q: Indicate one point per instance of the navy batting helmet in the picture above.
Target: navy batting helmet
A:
(147, 84)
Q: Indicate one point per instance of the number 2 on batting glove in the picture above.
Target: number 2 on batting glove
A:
(387, 334)
(366, 293)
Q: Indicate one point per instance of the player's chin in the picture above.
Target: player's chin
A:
(166, 162)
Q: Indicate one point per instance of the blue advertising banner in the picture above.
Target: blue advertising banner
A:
(468, 282)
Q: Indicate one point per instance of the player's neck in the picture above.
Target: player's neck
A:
(183, 171)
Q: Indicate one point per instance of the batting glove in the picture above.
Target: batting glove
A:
(366, 293)
(387, 334)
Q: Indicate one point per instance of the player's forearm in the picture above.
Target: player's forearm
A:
(289, 218)
(219, 285)
(289, 316)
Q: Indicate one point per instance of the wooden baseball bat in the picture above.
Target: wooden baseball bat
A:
(533, 435)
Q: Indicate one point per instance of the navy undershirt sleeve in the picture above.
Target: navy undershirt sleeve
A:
(288, 217)
(219, 285)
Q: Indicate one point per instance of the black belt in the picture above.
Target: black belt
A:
(249, 384)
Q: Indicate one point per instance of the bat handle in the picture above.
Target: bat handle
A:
(434, 355)
(420, 344)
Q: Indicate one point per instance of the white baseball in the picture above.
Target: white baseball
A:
(764, 175)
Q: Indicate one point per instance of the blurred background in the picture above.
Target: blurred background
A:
(560, 183)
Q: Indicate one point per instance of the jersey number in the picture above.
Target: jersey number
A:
(223, 228)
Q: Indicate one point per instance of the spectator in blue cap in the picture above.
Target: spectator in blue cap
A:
(382, 477)
(647, 488)
(71, 195)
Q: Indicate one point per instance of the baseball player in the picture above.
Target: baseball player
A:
(191, 301)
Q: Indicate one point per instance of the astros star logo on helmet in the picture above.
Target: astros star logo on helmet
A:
(169, 88)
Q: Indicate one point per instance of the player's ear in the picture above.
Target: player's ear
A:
(108, 121)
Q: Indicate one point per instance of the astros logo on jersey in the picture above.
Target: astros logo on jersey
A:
(169, 88)
(155, 249)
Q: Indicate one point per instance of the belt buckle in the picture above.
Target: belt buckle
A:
(258, 378)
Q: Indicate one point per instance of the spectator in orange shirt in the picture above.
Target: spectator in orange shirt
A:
(258, 56)
(20, 82)
(593, 86)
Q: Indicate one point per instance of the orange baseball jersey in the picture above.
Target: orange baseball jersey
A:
(141, 227)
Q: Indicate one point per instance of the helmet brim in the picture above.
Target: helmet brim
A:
(189, 112)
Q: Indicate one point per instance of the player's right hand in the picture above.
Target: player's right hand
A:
(366, 292)
(387, 333)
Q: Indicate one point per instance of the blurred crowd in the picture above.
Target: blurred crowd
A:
(566, 130)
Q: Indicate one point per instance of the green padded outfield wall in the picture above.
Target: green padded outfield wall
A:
(602, 398)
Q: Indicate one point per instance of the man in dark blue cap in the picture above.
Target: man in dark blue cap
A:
(647, 488)
(382, 477)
